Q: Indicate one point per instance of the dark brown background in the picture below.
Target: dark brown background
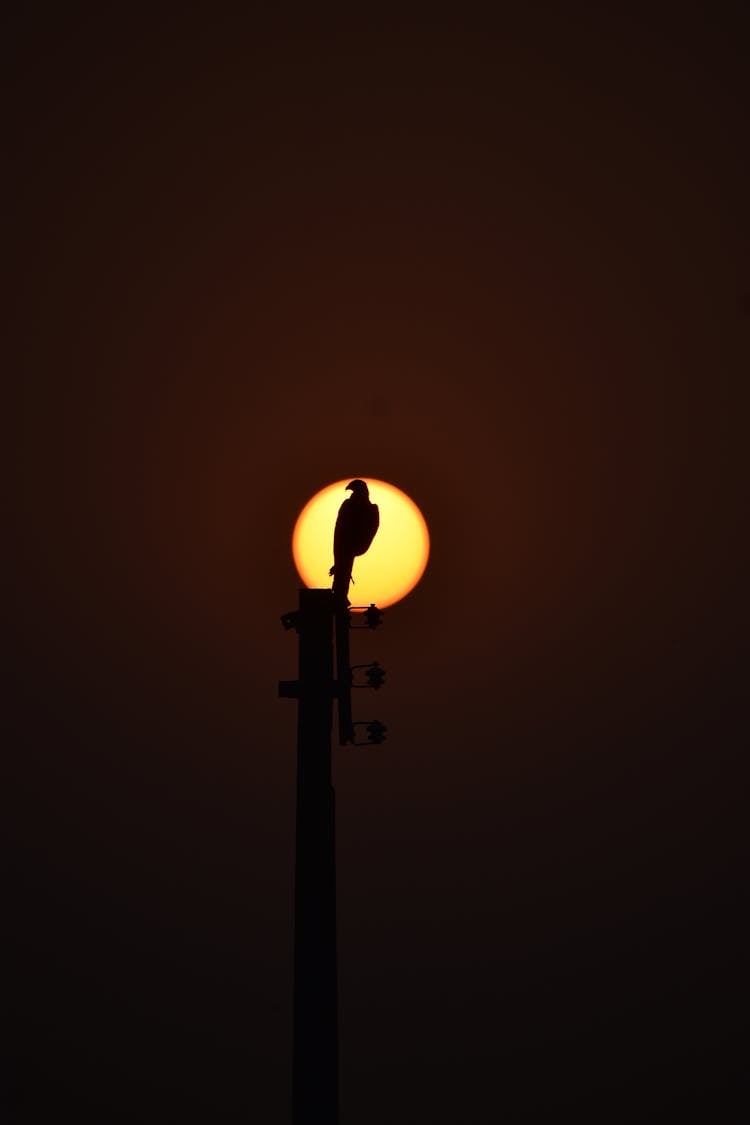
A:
(501, 266)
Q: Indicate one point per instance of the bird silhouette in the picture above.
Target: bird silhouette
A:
(356, 524)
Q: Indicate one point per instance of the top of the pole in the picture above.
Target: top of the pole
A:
(316, 599)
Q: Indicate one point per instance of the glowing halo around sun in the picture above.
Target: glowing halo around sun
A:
(396, 559)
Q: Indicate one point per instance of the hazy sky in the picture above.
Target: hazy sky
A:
(500, 266)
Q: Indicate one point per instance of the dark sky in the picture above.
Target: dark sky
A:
(501, 266)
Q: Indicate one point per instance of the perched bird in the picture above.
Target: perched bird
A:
(356, 524)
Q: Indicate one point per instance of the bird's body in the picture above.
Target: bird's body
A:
(356, 524)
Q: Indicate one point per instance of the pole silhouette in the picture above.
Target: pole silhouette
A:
(315, 1063)
(315, 1050)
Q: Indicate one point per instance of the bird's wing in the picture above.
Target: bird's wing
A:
(368, 524)
(374, 520)
(355, 528)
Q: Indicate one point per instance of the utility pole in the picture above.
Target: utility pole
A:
(315, 1063)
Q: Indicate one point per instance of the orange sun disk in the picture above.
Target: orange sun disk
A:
(396, 559)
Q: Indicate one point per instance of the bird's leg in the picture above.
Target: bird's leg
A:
(342, 576)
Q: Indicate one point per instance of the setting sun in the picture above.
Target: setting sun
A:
(395, 561)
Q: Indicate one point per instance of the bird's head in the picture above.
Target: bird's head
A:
(358, 487)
